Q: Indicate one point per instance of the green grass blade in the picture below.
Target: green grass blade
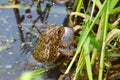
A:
(98, 3)
(87, 58)
(117, 9)
(113, 4)
(104, 43)
(80, 65)
(79, 6)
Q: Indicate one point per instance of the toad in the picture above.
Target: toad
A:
(52, 43)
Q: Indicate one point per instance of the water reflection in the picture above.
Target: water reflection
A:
(36, 25)
(19, 20)
(42, 17)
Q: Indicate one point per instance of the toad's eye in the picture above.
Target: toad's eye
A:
(60, 31)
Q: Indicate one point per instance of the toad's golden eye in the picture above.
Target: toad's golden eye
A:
(60, 32)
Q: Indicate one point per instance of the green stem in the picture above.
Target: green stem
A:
(103, 45)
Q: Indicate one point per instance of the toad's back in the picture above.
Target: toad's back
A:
(46, 50)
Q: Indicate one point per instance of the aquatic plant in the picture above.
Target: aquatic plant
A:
(99, 40)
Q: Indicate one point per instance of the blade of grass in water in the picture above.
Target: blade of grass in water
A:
(94, 53)
(74, 5)
(86, 47)
(84, 59)
(117, 9)
(80, 65)
(80, 2)
(113, 4)
(98, 3)
(104, 43)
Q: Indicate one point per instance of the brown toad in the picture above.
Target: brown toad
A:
(53, 41)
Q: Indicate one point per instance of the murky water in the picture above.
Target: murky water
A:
(16, 40)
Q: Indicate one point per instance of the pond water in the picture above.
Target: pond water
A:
(16, 41)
